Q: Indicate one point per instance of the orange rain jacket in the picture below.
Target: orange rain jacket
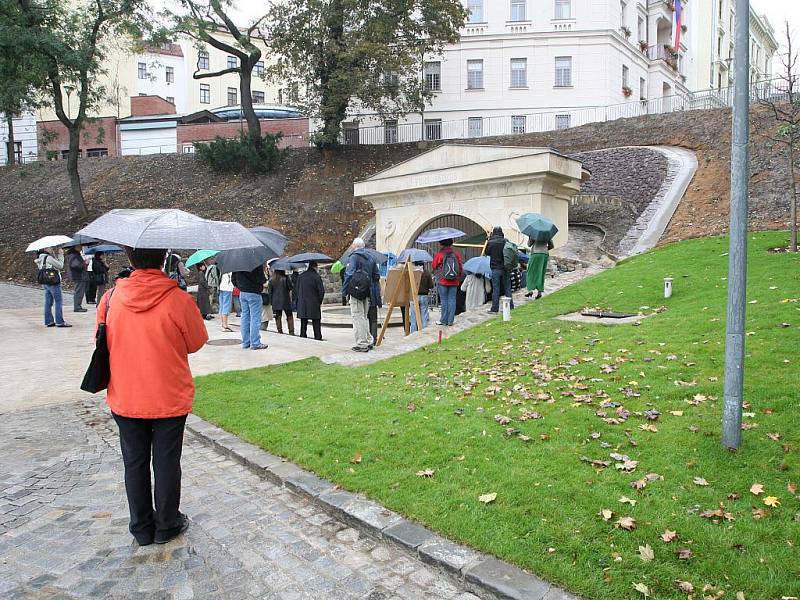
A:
(152, 328)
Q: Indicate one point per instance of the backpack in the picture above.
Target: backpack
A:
(212, 276)
(510, 256)
(360, 285)
(451, 270)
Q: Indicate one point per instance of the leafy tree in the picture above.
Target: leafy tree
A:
(203, 20)
(68, 37)
(365, 54)
(785, 108)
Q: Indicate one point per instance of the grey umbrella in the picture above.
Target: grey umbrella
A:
(271, 238)
(81, 240)
(310, 257)
(379, 257)
(168, 228)
(414, 255)
(242, 259)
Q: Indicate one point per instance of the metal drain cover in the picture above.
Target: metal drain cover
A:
(223, 342)
(605, 314)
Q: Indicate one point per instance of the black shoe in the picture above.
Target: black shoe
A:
(51, 325)
(80, 310)
(173, 533)
(64, 325)
(144, 540)
(539, 295)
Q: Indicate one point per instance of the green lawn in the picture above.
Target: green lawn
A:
(444, 408)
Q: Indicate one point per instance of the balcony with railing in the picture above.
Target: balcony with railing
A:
(663, 52)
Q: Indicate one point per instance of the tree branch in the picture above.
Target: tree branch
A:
(215, 73)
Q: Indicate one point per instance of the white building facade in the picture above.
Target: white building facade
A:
(25, 144)
(712, 55)
(528, 65)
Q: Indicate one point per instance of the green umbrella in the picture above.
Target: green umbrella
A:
(537, 227)
(200, 256)
(337, 267)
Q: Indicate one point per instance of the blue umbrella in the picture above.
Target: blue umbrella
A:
(537, 227)
(478, 265)
(414, 255)
(107, 248)
(200, 256)
(439, 234)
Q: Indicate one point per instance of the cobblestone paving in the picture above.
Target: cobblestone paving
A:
(63, 527)
(20, 296)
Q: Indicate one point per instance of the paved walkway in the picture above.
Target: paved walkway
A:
(63, 527)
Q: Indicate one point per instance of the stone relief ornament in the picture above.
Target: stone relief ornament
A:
(389, 229)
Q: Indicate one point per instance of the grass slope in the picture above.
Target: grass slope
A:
(443, 408)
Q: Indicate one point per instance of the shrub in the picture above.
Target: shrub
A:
(241, 155)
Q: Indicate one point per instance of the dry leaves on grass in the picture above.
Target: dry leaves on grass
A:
(626, 523)
(717, 513)
(626, 500)
(669, 536)
(772, 501)
(646, 553)
(699, 481)
(642, 589)
(684, 553)
(487, 498)
(791, 487)
(425, 473)
(757, 489)
(356, 460)
(684, 586)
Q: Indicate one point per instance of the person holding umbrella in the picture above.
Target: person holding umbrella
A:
(280, 294)
(78, 273)
(251, 285)
(362, 285)
(203, 291)
(50, 263)
(310, 293)
(540, 231)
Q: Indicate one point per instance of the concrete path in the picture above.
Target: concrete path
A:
(52, 361)
(63, 527)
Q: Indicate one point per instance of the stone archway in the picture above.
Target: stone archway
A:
(487, 185)
(468, 246)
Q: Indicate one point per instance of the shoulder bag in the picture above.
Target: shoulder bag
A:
(99, 372)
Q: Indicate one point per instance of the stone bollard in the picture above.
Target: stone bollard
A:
(505, 305)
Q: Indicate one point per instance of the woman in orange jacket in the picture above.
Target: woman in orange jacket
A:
(152, 327)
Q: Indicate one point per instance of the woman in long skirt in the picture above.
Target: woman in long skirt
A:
(537, 266)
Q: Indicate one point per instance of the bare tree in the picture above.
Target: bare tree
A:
(785, 108)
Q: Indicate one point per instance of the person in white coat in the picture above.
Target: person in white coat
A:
(475, 286)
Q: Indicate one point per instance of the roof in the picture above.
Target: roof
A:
(202, 116)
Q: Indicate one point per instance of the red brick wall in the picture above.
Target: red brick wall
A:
(150, 105)
(295, 131)
(52, 136)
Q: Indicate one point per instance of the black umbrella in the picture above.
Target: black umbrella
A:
(242, 259)
(310, 257)
(272, 239)
(379, 257)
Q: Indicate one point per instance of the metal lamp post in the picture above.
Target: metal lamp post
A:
(69, 89)
(737, 256)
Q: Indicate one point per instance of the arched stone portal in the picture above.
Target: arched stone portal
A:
(487, 185)
(468, 246)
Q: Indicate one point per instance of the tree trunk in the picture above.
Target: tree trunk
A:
(253, 124)
(11, 158)
(72, 170)
(793, 205)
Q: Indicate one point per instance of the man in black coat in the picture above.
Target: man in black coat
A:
(78, 273)
(501, 278)
(310, 294)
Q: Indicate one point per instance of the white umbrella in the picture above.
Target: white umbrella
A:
(48, 241)
(168, 228)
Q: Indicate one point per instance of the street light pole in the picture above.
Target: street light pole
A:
(737, 256)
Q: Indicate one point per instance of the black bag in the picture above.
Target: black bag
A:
(450, 268)
(99, 372)
(48, 276)
(360, 285)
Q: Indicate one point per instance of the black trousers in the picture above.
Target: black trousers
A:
(372, 316)
(161, 439)
(317, 324)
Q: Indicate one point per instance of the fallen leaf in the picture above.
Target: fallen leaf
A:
(356, 460)
(487, 498)
(646, 553)
(699, 481)
(669, 536)
(626, 500)
(425, 473)
(772, 501)
(760, 513)
(626, 523)
(606, 514)
(502, 419)
(676, 413)
(718, 513)
(684, 586)
(757, 489)
(642, 589)
(733, 496)
(684, 553)
(648, 427)
(774, 436)
(791, 487)
(740, 596)
(411, 407)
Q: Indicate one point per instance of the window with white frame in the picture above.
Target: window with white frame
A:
(475, 8)
(519, 72)
(625, 76)
(642, 89)
(622, 7)
(258, 97)
(171, 99)
(232, 62)
(519, 10)
(475, 127)
(202, 60)
(433, 76)
(563, 71)
(474, 74)
(640, 29)
(233, 96)
(142, 70)
(433, 129)
(518, 124)
(562, 121)
(390, 131)
(205, 93)
(563, 9)
(258, 69)
(170, 74)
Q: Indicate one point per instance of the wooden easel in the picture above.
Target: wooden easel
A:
(402, 285)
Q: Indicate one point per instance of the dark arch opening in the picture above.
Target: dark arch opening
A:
(469, 246)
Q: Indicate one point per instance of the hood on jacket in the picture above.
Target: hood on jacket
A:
(143, 289)
(497, 232)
